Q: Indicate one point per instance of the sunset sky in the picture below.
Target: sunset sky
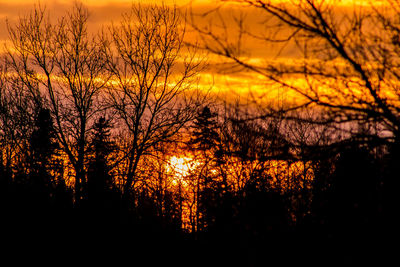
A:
(290, 131)
(239, 84)
(104, 12)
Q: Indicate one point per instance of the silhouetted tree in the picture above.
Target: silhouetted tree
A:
(165, 192)
(44, 171)
(153, 89)
(204, 134)
(101, 188)
(5, 160)
(17, 115)
(204, 142)
(60, 65)
(345, 70)
(43, 148)
(346, 57)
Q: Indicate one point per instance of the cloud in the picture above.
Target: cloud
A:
(220, 73)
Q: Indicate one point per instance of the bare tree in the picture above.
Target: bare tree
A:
(61, 66)
(17, 113)
(346, 64)
(154, 78)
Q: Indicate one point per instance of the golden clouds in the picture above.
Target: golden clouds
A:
(221, 75)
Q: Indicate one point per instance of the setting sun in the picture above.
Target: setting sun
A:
(180, 168)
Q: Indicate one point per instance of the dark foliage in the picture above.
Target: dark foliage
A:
(353, 200)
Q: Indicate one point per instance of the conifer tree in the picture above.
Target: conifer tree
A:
(205, 142)
(43, 145)
(100, 181)
(204, 134)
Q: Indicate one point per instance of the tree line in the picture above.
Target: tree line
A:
(89, 123)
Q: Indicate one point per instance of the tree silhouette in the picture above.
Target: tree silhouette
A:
(61, 66)
(205, 143)
(100, 181)
(152, 96)
(17, 116)
(346, 59)
(43, 172)
(343, 70)
(204, 135)
(43, 147)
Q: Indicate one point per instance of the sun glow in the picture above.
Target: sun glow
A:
(180, 168)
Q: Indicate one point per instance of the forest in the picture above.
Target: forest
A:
(110, 149)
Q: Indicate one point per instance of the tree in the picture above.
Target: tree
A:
(204, 135)
(43, 146)
(345, 64)
(153, 80)
(339, 63)
(100, 183)
(204, 143)
(17, 119)
(44, 172)
(62, 68)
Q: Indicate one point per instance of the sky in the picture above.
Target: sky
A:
(238, 84)
(106, 11)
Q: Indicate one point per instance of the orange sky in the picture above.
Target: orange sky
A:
(105, 11)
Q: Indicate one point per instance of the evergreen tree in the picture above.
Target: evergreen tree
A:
(43, 146)
(100, 183)
(43, 168)
(205, 143)
(204, 131)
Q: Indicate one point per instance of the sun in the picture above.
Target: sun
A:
(180, 168)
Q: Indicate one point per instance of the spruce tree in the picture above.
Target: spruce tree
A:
(100, 182)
